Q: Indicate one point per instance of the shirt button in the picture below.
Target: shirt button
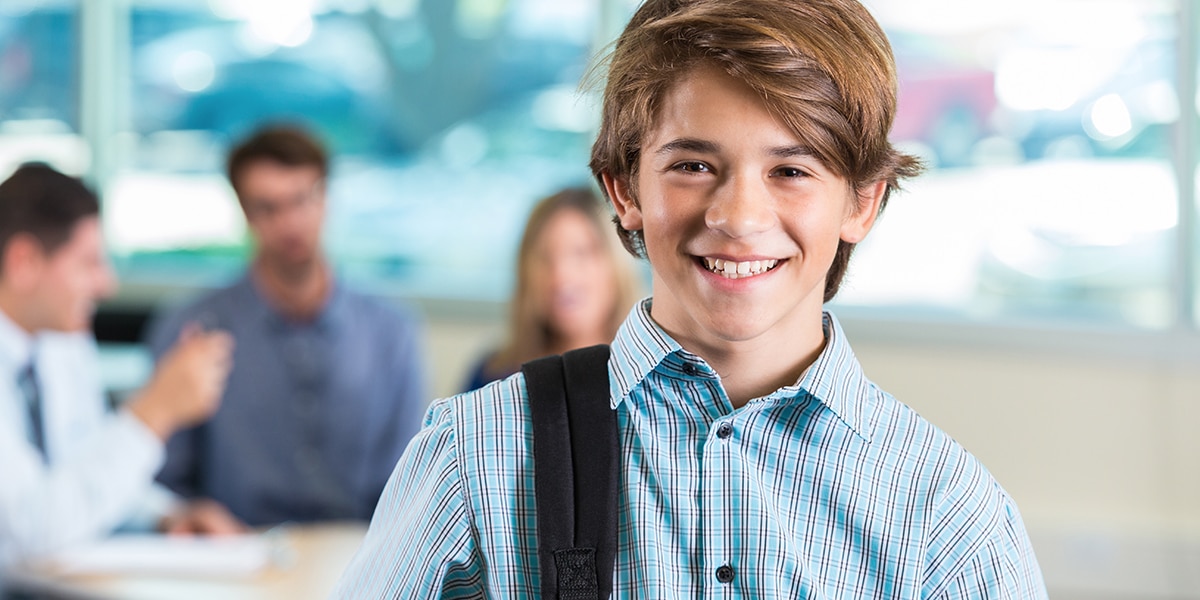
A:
(725, 573)
(690, 369)
(724, 430)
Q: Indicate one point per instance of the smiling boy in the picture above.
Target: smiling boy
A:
(744, 148)
(740, 220)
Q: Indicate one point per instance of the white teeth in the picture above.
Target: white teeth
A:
(737, 270)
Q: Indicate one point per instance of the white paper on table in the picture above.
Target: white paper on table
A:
(169, 554)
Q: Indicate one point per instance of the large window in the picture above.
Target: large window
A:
(39, 85)
(1051, 129)
(447, 120)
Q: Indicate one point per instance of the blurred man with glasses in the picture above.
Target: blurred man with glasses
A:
(328, 384)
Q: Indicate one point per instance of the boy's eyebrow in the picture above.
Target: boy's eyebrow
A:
(688, 145)
(792, 151)
(707, 147)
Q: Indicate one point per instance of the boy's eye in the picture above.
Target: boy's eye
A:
(790, 172)
(692, 167)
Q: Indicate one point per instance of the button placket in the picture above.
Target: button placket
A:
(722, 468)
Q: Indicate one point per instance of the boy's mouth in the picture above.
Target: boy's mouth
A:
(736, 270)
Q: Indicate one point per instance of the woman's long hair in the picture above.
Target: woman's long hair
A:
(529, 334)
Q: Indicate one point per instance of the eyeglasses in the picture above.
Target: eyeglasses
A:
(264, 209)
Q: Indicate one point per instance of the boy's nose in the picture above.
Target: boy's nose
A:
(741, 207)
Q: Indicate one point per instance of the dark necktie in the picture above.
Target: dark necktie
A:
(27, 380)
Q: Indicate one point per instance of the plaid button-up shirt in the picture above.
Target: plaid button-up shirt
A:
(827, 489)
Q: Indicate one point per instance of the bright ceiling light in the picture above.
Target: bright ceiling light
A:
(193, 71)
(1110, 117)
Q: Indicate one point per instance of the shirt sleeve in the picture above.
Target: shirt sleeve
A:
(420, 543)
(995, 559)
(83, 496)
(156, 503)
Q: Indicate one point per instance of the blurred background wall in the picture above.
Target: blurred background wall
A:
(1034, 294)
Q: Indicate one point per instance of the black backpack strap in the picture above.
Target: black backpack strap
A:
(575, 455)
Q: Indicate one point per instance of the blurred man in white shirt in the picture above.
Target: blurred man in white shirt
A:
(69, 471)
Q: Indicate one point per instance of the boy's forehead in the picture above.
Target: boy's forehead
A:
(697, 102)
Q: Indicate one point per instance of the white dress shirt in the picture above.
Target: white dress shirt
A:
(99, 467)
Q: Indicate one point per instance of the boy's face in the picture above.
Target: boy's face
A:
(740, 222)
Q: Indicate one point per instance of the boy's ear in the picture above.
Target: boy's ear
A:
(628, 211)
(858, 224)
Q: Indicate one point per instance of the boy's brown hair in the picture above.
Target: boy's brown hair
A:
(824, 67)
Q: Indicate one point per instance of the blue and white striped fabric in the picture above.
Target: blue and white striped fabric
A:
(828, 489)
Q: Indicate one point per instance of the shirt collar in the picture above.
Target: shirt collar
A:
(16, 346)
(639, 346)
(835, 379)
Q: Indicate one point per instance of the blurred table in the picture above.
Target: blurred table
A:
(310, 560)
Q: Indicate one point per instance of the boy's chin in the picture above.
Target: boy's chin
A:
(746, 321)
(742, 331)
(732, 326)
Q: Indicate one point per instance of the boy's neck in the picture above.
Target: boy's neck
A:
(757, 367)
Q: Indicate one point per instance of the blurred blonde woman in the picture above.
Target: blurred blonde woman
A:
(574, 284)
